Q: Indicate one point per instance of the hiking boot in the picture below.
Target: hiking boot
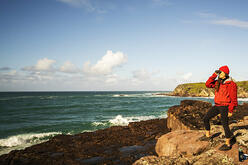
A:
(205, 138)
(225, 147)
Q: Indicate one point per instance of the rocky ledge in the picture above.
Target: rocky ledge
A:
(160, 141)
(114, 145)
(182, 145)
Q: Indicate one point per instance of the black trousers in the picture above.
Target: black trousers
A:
(214, 111)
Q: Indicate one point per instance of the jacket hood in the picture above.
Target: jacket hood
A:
(225, 69)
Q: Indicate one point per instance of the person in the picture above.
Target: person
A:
(225, 102)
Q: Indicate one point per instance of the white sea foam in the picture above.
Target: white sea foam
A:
(24, 139)
(99, 123)
(123, 121)
(134, 95)
(121, 95)
(242, 99)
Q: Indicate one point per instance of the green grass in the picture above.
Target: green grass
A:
(243, 84)
(193, 88)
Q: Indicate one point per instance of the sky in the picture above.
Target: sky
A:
(119, 45)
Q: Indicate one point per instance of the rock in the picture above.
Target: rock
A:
(114, 145)
(154, 160)
(181, 142)
(211, 157)
(188, 115)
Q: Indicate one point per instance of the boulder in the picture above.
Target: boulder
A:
(181, 142)
(154, 160)
(188, 115)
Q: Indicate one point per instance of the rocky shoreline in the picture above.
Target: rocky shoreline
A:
(159, 141)
(200, 90)
(114, 145)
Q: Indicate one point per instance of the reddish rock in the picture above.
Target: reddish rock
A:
(181, 142)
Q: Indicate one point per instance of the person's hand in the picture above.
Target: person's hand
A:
(217, 72)
(229, 114)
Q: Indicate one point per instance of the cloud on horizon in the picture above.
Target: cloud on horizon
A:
(5, 68)
(217, 20)
(187, 76)
(69, 67)
(44, 64)
(44, 75)
(106, 65)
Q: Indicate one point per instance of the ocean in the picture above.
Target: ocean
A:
(28, 118)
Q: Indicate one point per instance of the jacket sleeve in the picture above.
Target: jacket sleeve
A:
(233, 96)
(210, 83)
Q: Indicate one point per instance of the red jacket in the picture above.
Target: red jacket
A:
(227, 94)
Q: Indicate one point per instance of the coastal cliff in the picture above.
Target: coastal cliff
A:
(200, 90)
(173, 140)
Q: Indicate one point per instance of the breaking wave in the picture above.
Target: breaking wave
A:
(24, 139)
(123, 121)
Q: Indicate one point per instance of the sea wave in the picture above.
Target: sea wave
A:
(119, 120)
(121, 95)
(99, 123)
(124, 121)
(24, 139)
(242, 99)
(139, 95)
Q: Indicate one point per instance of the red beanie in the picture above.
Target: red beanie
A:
(224, 69)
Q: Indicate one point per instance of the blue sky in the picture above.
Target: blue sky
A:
(75, 45)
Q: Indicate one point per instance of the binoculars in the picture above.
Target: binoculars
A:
(217, 71)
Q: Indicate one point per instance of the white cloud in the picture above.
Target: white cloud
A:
(9, 73)
(5, 68)
(111, 79)
(187, 76)
(217, 20)
(106, 65)
(79, 3)
(89, 5)
(42, 65)
(231, 22)
(69, 67)
(141, 74)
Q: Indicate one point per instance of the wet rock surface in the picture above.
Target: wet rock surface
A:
(114, 145)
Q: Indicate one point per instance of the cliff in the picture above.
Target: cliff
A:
(200, 90)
